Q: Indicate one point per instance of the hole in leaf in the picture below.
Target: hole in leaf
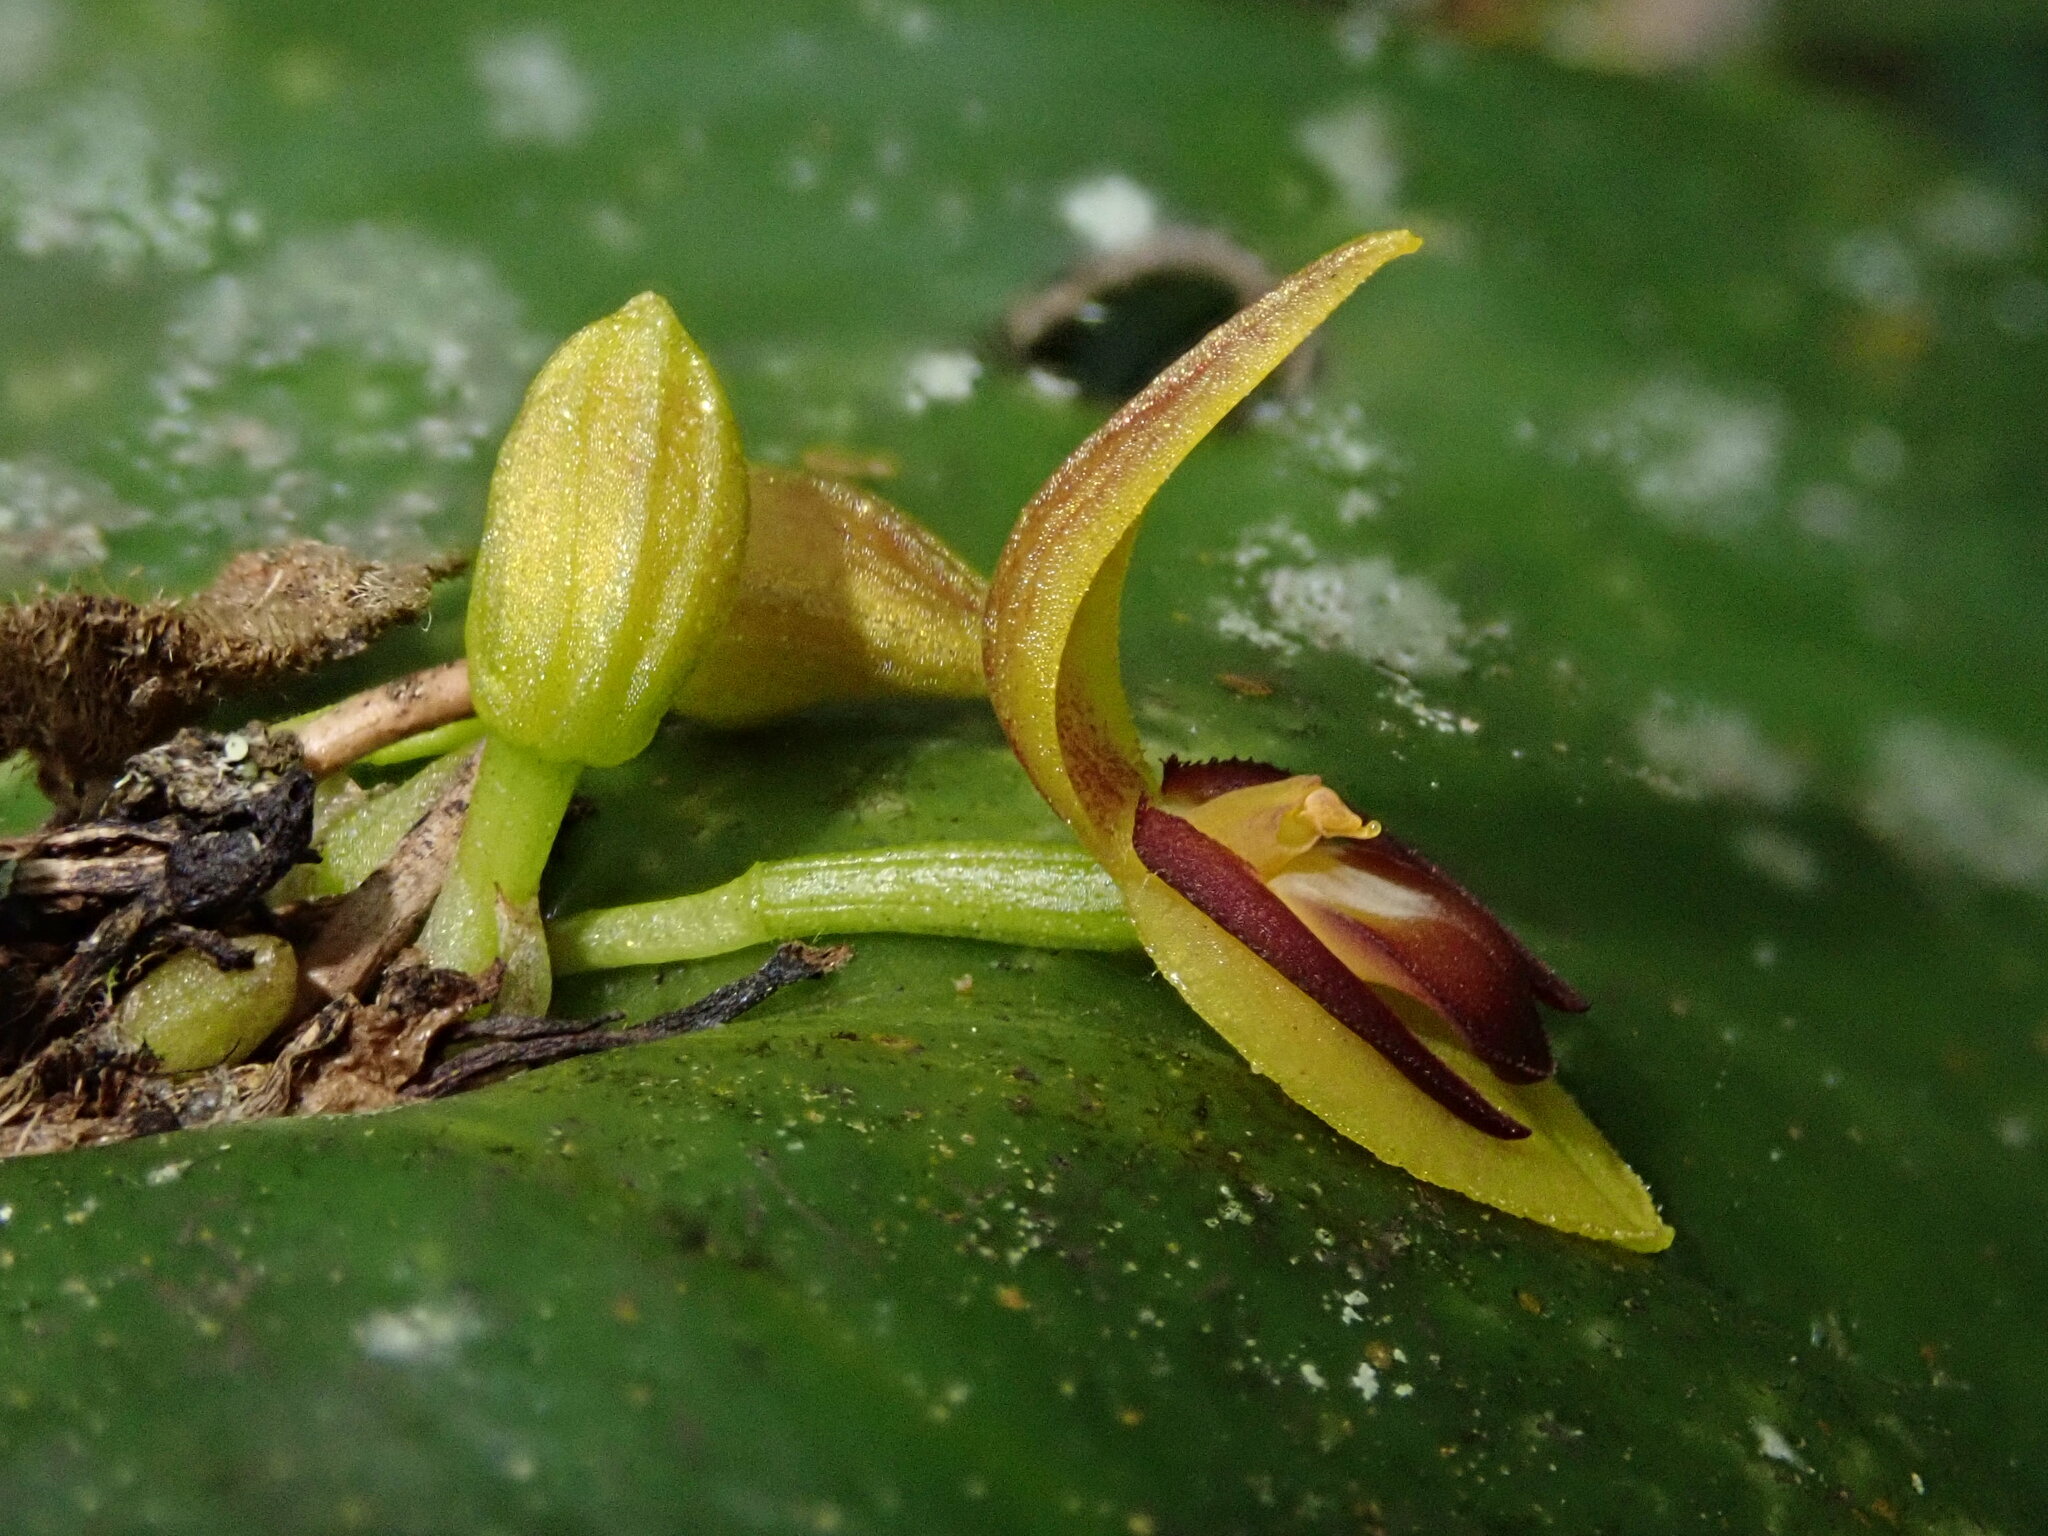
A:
(1112, 323)
(1114, 343)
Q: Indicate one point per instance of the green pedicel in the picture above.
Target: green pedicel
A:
(1007, 893)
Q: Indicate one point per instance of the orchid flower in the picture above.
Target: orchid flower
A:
(1376, 992)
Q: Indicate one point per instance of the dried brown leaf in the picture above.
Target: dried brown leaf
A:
(92, 1088)
(86, 679)
(381, 1046)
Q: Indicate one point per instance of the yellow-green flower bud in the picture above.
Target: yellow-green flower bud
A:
(193, 1015)
(612, 545)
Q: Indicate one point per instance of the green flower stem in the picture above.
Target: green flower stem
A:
(515, 810)
(1008, 893)
(437, 742)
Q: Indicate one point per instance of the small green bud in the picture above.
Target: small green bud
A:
(612, 545)
(193, 1015)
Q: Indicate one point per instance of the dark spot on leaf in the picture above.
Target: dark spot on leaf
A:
(1115, 320)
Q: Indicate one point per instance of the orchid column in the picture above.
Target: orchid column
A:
(612, 546)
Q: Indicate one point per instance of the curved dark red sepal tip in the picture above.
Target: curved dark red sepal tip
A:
(1230, 893)
(1197, 783)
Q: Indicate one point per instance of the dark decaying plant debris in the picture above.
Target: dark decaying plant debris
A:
(179, 843)
(186, 842)
(516, 1043)
(415, 1038)
(87, 679)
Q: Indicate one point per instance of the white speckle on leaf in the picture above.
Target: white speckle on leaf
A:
(30, 31)
(2020, 308)
(1829, 511)
(1312, 1377)
(1232, 1209)
(1362, 608)
(801, 173)
(1877, 269)
(2016, 1132)
(1355, 149)
(1367, 1380)
(52, 518)
(166, 1173)
(1969, 221)
(1876, 454)
(1693, 457)
(1369, 610)
(1257, 545)
(1360, 32)
(613, 228)
(533, 89)
(1771, 1443)
(913, 25)
(1953, 801)
(943, 377)
(1779, 857)
(1050, 386)
(1699, 751)
(1234, 623)
(423, 344)
(1651, 36)
(1111, 212)
(431, 1333)
(1335, 438)
(1357, 505)
(95, 178)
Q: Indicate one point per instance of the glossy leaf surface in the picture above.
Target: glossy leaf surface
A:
(1690, 464)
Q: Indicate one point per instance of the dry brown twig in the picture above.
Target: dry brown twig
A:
(375, 718)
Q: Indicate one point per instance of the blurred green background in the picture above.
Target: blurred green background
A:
(1661, 548)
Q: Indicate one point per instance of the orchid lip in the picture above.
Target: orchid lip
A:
(1398, 920)
(1230, 893)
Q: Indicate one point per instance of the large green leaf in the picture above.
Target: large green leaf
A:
(1694, 474)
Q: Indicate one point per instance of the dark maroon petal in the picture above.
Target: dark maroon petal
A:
(1477, 987)
(1543, 981)
(1229, 891)
(1199, 782)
